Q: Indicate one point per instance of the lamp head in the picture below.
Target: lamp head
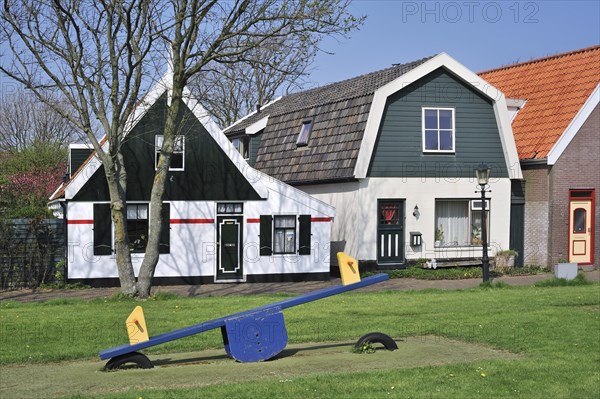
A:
(483, 174)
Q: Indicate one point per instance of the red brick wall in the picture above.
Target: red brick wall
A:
(536, 214)
(578, 167)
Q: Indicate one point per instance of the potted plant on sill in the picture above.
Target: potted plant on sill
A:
(476, 236)
(439, 236)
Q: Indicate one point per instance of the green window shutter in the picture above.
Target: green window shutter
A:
(165, 233)
(102, 230)
(304, 235)
(266, 235)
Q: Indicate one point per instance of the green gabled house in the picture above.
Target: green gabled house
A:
(394, 151)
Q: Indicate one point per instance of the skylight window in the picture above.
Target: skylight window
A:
(304, 133)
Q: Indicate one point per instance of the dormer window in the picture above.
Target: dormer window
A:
(304, 133)
(178, 157)
(438, 130)
(242, 144)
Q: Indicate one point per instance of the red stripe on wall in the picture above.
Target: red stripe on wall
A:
(320, 219)
(255, 220)
(192, 221)
(80, 221)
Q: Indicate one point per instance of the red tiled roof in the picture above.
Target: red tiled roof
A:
(555, 88)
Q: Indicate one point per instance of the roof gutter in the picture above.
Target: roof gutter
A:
(325, 181)
(534, 162)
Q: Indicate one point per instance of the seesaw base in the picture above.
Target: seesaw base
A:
(256, 336)
(134, 358)
(377, 338)
(252, 346)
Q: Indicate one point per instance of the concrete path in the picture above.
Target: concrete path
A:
(401, 284)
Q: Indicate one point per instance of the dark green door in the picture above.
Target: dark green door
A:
(517, 231)
(390, 231)
(229, 248)
(517, 220)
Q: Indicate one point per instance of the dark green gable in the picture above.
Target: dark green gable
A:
(77, 157)
(399, 150)
(209, 173)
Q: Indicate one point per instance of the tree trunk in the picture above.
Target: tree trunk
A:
(117, 184)
(158, 188)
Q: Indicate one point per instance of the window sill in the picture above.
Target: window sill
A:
(458, 246)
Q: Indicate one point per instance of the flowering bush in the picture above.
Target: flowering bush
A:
(27, 179)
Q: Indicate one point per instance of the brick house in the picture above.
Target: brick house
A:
(556, 123)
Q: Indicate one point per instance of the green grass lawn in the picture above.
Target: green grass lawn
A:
(555, 331)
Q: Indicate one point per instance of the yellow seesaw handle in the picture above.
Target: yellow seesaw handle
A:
(136, 326)
(348, 268)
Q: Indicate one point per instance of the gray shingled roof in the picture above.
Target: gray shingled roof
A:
(339, 112)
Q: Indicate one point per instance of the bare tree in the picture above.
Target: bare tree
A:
(100, 54)
(231, 90)
(26, 122)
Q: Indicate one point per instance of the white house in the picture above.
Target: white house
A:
(225, 221)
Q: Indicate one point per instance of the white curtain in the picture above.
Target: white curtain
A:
(285, 234)
(452, 219)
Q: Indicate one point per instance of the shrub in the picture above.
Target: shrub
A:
(494, 285)
(562, 282)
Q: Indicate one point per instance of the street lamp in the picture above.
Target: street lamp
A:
(483, 176)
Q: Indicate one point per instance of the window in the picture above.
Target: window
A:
(438, 130)
(304, 133)
(230, 208)
(284, 235)
(389, 213)
(476, 226)
(242, 145)
(137, 227)
(178, 157)
(579, 220)
(458, 222)
(280, 234)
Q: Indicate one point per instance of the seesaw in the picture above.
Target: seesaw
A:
(251, 336)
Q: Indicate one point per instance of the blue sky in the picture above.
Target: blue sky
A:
(479, 34)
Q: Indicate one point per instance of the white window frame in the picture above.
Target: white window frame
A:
(470, 209)
(244, 146)
(157, 148)
(295, 228)
(438, 151)
(134, 254)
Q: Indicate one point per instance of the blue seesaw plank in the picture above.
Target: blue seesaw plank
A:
(220, 322)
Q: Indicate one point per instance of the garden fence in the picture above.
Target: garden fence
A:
(32, 252)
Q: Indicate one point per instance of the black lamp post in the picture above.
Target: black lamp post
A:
(483, 176)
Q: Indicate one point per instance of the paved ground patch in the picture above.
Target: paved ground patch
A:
(197, 369)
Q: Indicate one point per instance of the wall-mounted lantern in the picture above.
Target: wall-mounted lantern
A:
(416, 212)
